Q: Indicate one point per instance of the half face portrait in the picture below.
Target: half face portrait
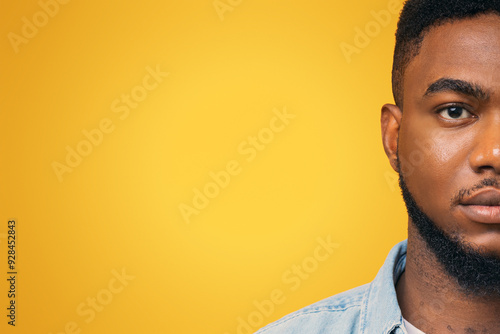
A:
(442, 137)
(446, 147)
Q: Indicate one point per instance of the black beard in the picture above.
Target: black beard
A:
(476, 272)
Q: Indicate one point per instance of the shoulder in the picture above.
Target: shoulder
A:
(340, 313)
(370, 308)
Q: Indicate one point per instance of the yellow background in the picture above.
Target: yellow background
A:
(324, 175)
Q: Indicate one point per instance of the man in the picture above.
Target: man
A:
(443, 138)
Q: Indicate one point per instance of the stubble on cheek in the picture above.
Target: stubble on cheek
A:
(442, 172)
(432, 162)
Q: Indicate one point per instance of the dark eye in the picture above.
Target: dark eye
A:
(455, 113)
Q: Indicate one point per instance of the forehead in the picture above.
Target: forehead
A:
(467, 49)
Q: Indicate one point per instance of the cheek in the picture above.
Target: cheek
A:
(431, 162)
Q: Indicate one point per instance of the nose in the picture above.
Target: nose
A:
(486, 152)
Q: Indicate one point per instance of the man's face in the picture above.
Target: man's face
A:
(449, 137)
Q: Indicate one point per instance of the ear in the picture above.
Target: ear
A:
(390, 121)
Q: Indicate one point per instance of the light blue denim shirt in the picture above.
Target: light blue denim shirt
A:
(369, 309)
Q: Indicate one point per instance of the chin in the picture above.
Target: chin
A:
(473, 261)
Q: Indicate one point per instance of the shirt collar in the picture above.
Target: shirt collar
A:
(381, 312)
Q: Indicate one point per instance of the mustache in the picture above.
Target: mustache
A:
(466, 192)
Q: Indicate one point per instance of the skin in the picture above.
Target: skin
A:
(439, 157)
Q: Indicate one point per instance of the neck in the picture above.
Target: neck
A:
(433, 301)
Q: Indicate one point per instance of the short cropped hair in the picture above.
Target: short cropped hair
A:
(417, 18)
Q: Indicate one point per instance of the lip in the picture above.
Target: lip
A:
(483, 206)
(481, 213)
(486, 197)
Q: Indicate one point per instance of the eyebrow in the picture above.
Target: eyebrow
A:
(458, 86)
